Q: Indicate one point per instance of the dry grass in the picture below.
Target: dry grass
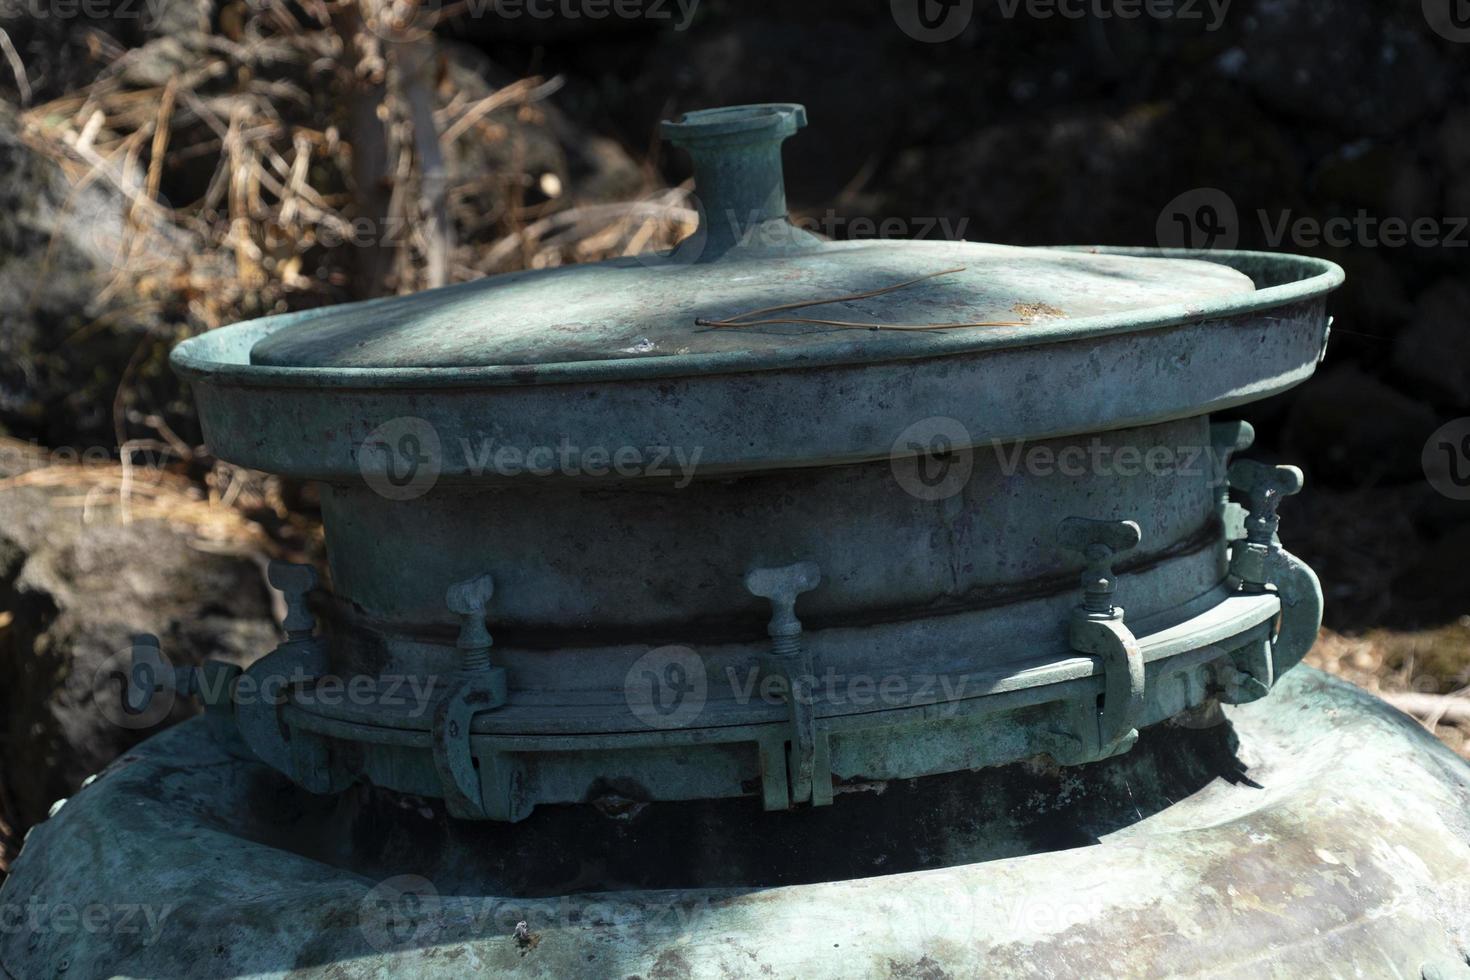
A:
(318, 153)
(1390, 663)
(275, 224)
(151, 482)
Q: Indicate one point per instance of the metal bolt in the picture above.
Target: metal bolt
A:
(781, 586)
(294, 582)
(1099, 543)
(468, 600)
(1264, 487)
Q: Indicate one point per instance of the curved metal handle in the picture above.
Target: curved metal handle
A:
(479, 687)
(793, 664)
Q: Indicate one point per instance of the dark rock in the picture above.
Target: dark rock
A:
(1096, 174)
(76, 592)
(1374, 299)
(1345, 65)
(1384, 180)
(1421, 586)
(1347, 426)
(59, 248)
(1454, 141)
(1434, 349)
(758, 59)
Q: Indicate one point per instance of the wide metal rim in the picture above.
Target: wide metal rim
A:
(1346, 802)
(1307, 278)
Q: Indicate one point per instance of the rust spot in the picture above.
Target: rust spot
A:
(670, 965)
(925, 968)
(526, 940)
(1036, 311)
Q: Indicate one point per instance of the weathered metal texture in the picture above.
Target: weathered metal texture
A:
(629, 560)
(787, 440)
(751, 410)
(745, 256)
(973, 629)
(640, 313)
(1321, 834)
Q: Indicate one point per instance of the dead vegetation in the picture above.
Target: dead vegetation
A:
(313, 155)
(308, 154)
(1424, 673)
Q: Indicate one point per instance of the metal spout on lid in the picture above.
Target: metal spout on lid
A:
(738, 178)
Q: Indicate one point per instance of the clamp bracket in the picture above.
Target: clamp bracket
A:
(301, 659)
(1097, 629)
(802, 773)
(1261, 564)
(473, 788)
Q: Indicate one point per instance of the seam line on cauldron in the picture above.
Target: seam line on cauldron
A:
(353, 621)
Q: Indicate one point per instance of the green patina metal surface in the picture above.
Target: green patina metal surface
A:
(589, 574)
(1318, 833)
(645, 316)
(1078, 629)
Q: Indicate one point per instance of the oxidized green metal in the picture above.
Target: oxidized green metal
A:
(739, 558)
(1316, 833)
(631, 654)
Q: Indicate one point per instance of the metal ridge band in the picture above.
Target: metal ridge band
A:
(1016, 712)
